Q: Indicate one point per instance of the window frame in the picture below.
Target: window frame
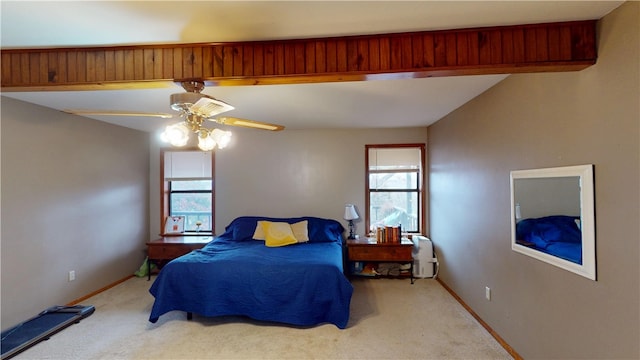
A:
(421, 180)
(165, 192)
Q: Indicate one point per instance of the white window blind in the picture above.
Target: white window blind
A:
(394, 159)
(187, 165)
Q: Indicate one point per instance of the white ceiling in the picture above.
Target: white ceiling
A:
(382, 103)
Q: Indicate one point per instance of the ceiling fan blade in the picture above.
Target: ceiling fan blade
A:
(118, 113)
(247, 123)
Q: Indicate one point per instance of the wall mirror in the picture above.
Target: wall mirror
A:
(552, 217)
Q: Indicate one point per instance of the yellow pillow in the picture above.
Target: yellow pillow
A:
(278, 234)
(300, 231)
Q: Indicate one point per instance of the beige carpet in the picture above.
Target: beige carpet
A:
(390, 319)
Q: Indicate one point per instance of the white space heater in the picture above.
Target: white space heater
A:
(425, 264)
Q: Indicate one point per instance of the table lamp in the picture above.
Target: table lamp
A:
(350, 214)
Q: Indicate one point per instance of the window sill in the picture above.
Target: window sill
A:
(190, 233)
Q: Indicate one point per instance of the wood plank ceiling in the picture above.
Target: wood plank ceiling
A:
(567, 46)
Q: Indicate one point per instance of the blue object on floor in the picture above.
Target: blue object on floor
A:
(41, 327)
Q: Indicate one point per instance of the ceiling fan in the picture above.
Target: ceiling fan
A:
(194, 107)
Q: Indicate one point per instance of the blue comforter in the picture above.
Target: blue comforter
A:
(301, 284)
(557, 235)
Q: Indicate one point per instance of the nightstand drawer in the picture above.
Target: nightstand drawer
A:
(380, 253)
(169, 251)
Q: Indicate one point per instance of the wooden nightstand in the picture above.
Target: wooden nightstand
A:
(368, 250)
(171, 247)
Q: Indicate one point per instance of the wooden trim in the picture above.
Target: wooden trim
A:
(164, 193)
(495, 335)
(566, 46)
(423, 189)
(367, 186)
(77, 301)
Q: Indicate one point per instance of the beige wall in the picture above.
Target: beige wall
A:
(546, 120)
(74, 197)
(291, 173)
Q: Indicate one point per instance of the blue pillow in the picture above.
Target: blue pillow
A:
(324, 230)
(242, 228)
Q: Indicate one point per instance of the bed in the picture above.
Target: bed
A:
(276, 279)
(558, 235)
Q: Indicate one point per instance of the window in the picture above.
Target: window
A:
(188, 189)
(394, 186)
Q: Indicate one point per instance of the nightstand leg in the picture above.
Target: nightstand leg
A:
(411, 269)
(148, 269)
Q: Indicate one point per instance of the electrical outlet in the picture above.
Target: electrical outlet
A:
(487, 293)
(72, 275)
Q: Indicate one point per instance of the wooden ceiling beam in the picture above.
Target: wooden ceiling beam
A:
(568, 46)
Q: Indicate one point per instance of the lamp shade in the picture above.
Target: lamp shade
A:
(350, 212)
(176, 134)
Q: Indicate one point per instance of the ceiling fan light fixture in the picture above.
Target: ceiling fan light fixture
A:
(208, 139)
(205, 140)
(221, 137)
(176, 134)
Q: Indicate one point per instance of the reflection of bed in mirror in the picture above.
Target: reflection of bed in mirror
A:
(553, 217)
(557, 235)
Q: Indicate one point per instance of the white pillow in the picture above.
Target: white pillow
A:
(300, 231)
(259, 233)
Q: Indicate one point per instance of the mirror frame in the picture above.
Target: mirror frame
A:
(587, 217)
